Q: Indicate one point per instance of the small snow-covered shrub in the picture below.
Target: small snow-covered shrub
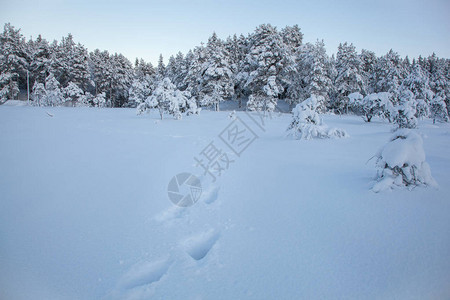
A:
(376, 104)
(306, 122)
(168, 99)
(401, 162)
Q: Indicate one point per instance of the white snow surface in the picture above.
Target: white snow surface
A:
(84, 211)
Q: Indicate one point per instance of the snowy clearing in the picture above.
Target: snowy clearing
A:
(84, 211)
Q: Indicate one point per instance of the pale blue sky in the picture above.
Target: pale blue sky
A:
(147, 28)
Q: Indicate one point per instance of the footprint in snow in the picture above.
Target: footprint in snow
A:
(145, 273)
(174, 212)
(199, 245)
(209, 196)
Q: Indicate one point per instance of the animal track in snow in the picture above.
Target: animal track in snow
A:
(199, 245)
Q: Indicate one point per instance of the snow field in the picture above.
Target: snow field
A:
(84, 212)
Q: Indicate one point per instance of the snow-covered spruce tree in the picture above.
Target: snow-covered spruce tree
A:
(161, 69)
(39, 94)
(307, 123)
(168, 99)
(401, 162)
(372, 105)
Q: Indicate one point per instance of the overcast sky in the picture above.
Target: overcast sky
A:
(145, 29)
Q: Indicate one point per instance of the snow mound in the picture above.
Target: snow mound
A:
(307, 123)
(15, 103)
(401, 162)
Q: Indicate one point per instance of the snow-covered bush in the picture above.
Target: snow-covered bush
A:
(267, 99)
(100, 100)
(376, 104)
(168, 99)
(401, 162)
(72, 92)
(9, 88)
(306, 122)
(191, 104)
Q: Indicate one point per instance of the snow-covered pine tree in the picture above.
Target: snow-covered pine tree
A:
(292, 39)
(312, 77)
(216, 83)
(265, 59)
(417, 83)
(143, 69)
(350, 77)
(54, 96)
(40, 60)
(438, 110)
(439, 76)
(100, 100)
(139, 91)
(13, 62)
(388, 73)
(161, 69)
(368, 61)
(121, 75)
(39, 94)
(268, 100)
(74, 93)
(181, 70)
(404, 115)
(195, 60)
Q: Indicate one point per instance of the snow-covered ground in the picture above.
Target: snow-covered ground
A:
(84, 211)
